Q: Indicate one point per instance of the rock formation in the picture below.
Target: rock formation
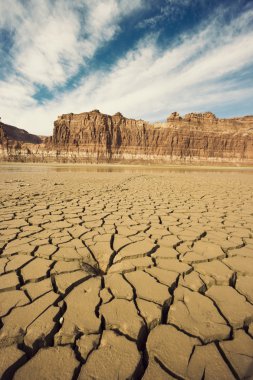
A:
(17, 134)
(97, 137)
(18, 145)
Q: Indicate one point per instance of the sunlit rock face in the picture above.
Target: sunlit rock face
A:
(97, 137)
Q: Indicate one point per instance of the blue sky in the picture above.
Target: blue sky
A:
(144, 58)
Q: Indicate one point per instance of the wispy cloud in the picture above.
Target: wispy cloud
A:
(149, 82)
(198, 73)
(52, 39)
(170, 10)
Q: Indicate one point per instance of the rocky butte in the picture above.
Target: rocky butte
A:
(97, 137)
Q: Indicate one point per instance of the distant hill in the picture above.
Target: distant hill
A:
(17, 134)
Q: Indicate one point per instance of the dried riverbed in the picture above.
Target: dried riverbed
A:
(118, 275)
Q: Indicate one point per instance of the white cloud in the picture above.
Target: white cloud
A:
(53, 38)
(148, 82)
(197, 74)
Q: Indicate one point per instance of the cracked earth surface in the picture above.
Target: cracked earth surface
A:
(126, 276)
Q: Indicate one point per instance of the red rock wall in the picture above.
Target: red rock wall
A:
(96, 137)
(194, 137)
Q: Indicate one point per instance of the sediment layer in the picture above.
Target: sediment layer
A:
(96, 137)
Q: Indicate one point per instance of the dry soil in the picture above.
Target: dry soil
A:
(126, 275)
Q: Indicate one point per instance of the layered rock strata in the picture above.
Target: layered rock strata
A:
(97, 137)
(18, 145)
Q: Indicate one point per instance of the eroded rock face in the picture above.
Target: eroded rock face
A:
(196, 136)
(97, 137)
(18, 145)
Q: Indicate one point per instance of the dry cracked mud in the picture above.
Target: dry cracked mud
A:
(117, 275)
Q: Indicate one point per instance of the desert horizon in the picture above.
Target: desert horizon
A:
(195, 138)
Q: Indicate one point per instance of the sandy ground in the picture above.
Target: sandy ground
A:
(126, 275)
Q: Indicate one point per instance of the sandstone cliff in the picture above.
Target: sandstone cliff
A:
(97, 137)
(195, 137)
(18, 145)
